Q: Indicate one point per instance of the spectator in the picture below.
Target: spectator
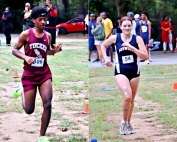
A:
(118, 29)
(137, 20)
(108, 28)
(171, 36)
(92, 47)
(26, 18)
(7, 25)
(145, 31)
(167, 28)
(51, 20)
(99, 36)
(131, 15)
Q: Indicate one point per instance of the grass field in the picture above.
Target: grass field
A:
(155, 88)
(70, 88)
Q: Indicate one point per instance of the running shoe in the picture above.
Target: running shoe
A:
(123, 128)
(96, 60)
(7, 45)
(17, 93)
(89, 60)
(147, 61)
(42, 139)
(150, 60)
(129, 128)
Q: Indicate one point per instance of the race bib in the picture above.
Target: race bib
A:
(38, 62)
(47, 22)
(144, 29)
(127, 59)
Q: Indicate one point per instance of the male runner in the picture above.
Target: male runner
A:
(37, 74)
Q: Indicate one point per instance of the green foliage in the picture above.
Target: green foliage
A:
(156, 9)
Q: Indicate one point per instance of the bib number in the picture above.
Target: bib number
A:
(38, 62)
(127, 59)
(144, 29)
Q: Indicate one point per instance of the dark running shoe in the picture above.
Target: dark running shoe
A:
(96, 60)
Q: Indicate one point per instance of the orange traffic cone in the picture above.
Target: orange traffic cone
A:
(86, 111)
(15, 74)
(174, 86)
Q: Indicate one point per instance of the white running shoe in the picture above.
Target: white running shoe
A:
(123, 128)
(147, 61)
(129, 129)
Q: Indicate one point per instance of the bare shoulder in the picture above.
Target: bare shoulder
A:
(24, 35)
(48, 34)
(138, 39)
(112, 39)
(149, 23)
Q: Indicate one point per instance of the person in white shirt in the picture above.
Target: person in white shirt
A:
(131, 15)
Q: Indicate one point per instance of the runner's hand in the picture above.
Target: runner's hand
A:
(57, 48)
(30, 60)
(126, 44)
(108, 63)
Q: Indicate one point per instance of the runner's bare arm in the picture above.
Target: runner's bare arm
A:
(57, 48)
(142, 51)
(21, 42)
(149, 29)
(106, 43)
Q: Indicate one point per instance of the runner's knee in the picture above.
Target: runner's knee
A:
(48, 104)
(128, 99)
(29, 110)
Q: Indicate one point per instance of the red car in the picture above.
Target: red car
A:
(74, 25)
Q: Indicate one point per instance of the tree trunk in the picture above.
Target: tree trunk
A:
(56, 4)
(61, 5)
(120, 7)
(66, 5)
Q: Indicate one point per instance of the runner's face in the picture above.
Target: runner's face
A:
(40, 23)
(126, 27)
(143, 16)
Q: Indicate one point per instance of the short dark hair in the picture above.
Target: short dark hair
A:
(104, 12)
(164, 17)
(37, 10)
(145, 12)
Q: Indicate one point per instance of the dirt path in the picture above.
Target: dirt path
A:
(16, 126)
(146, 126)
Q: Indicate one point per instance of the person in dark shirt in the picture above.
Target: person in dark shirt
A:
(51, 20)
(7, 25)
(118, 25)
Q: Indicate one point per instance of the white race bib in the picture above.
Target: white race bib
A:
(47, 22)
(127, 59)
(144, 29)
(38, 62)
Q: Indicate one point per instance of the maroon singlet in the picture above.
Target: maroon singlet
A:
(38, 72)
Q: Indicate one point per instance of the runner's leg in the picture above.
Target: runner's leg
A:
(28, 100)
(134, 87)
(124, 86)
(99, 53)
(45, 90)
